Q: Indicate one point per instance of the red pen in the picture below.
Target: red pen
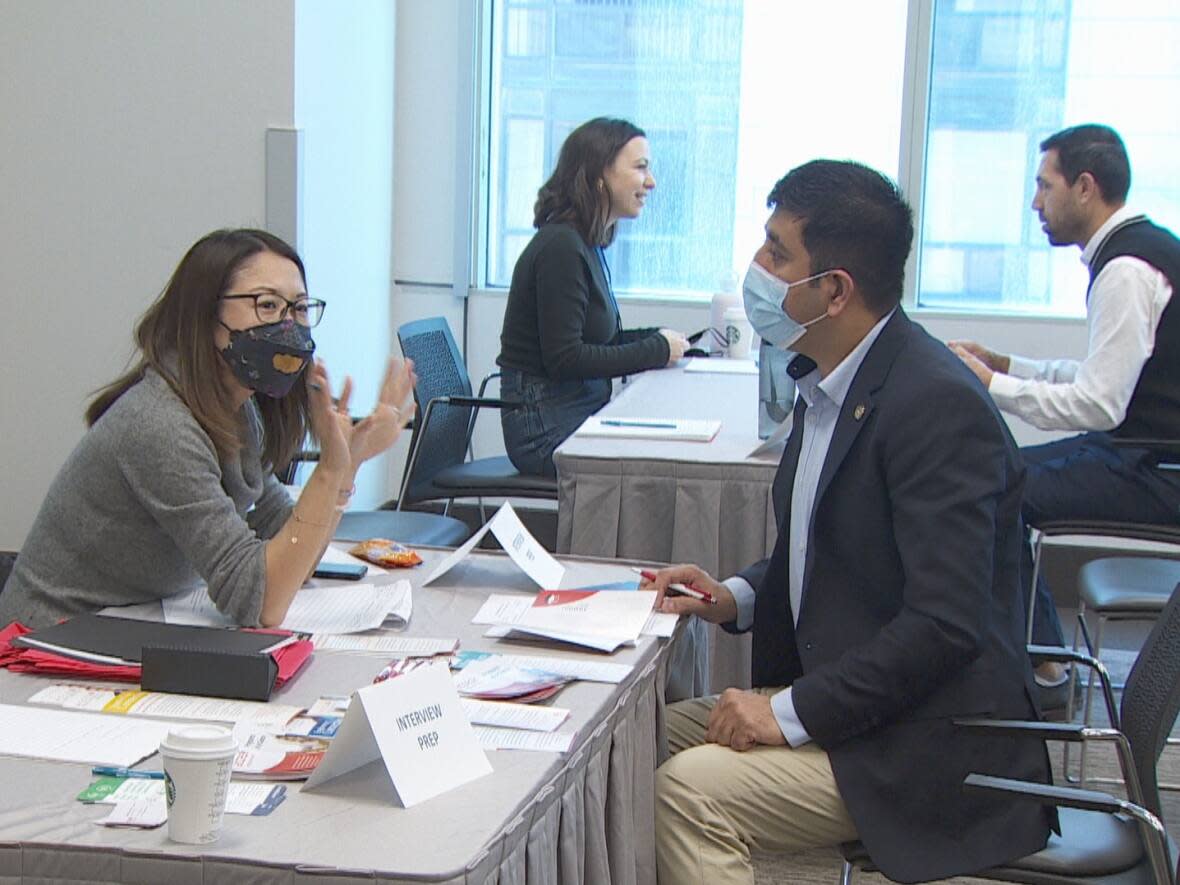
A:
(682, 589)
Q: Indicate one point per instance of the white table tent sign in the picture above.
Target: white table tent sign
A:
(416, 726)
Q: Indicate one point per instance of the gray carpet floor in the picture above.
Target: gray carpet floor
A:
(823, 866)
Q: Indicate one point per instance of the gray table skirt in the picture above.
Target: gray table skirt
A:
(587, 817)
(592, 823)
(718, 516)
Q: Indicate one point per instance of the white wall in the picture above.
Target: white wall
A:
(344, 100)
(130, 129)
(133, 127)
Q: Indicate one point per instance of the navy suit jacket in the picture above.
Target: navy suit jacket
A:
(910, 612)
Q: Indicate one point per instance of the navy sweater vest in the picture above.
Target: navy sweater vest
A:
(1154, 410)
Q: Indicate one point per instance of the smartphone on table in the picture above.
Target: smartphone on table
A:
(340, 571)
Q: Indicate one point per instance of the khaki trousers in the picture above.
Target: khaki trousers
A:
(714, 804)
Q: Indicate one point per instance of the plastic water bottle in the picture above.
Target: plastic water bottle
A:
(776, 388)
(724, 298)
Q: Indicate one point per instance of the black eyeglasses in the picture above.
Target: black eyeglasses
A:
(271, 308)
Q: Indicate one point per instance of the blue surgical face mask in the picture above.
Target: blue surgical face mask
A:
(764, 296)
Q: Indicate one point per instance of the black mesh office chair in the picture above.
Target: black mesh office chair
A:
(1168, 454)
(1117, 588)
(1104, 840)
(438, 468)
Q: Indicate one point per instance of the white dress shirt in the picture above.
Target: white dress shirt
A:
(824, 398)
(1126, 302)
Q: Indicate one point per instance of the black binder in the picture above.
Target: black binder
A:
(175, 658)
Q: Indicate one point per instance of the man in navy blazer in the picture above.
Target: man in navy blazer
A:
(891, 602)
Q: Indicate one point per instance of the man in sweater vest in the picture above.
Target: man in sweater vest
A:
(1127, 388)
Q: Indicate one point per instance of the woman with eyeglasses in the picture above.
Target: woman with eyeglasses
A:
(173, 484)
(562, 341)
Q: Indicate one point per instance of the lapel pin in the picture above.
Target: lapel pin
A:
(859, 411)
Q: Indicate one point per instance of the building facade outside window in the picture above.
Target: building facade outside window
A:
(732, 93)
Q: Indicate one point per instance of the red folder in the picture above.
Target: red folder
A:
(289, 658)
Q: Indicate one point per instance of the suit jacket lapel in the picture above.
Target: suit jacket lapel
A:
(858, 404)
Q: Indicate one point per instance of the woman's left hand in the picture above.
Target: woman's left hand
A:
(378, 430)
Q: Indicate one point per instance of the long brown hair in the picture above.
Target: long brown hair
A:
(573, 193)
(175, 337)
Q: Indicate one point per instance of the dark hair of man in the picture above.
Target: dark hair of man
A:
(575, 192)
(1095, 149)
(853, 218)
(175, 337)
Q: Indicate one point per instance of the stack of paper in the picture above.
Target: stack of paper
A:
(335, 609)
(602, 621)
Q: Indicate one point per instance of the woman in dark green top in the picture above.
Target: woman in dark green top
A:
(562, 340)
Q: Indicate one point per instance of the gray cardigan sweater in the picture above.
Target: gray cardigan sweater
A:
(143, 509)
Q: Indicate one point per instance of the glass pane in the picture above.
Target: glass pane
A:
(728, 93)
(1005, 74)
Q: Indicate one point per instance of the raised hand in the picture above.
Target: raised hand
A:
(394, 409)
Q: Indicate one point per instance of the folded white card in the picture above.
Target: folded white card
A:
(525, 550)
(418, 729)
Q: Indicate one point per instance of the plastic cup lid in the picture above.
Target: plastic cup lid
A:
(199, 741)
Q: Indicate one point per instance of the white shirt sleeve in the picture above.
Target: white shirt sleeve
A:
(781, 703)
(1126, 302)
(743, 595)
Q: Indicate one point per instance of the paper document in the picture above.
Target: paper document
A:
(661, 624)
(397, 646)
(253, 799)
(158, 704)
(680, 429)
(506, 527)
(721, 366)
(69, 736)
(492, 680)
(491, 738)
(508, 715)
(597, 620)
(590, 671)
(338, 609)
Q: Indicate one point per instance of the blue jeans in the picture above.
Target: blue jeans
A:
(1088, 477)
(546, 413)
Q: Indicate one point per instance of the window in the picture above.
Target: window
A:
(732, 94)
(1004, 75)
(723, 90)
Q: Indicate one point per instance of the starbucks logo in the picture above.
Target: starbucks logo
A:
(169, 789)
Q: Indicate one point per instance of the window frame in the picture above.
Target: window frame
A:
(475, 130)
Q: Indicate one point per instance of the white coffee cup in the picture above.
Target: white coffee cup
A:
(198, 760)
(738, 333)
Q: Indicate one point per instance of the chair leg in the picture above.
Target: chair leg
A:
(1036, 538)
(1088, 704)
(1073, 679)
(846, 874)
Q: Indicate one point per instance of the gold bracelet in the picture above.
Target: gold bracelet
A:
(319, 525)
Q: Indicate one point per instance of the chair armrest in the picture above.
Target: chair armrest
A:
(1049, 731)
(1155, 838)
(478, 402)
(483, 385)
(1046, 794)
(1061, 655)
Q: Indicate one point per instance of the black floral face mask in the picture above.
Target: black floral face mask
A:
(268, 359)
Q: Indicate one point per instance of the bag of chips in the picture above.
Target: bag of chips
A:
(386, 553)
